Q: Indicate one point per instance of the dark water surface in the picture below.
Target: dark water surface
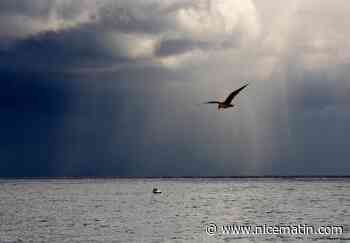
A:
(125, 210)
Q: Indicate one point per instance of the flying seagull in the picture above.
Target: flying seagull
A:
(227, 103)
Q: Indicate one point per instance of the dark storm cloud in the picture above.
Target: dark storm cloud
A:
(56, 51)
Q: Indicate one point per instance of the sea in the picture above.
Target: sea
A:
(186, 210)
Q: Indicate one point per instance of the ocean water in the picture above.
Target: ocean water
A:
(126, 210)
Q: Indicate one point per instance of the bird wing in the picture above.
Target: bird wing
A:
(234, 94)
(212, 102)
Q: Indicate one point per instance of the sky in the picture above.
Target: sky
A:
(112, 88)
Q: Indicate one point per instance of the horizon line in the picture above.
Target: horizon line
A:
(175, 177)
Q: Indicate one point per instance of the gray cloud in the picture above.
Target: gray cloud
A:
(34, 8)
(178, 46)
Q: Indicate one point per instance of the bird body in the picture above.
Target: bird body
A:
(224, 106)
(227, 103)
